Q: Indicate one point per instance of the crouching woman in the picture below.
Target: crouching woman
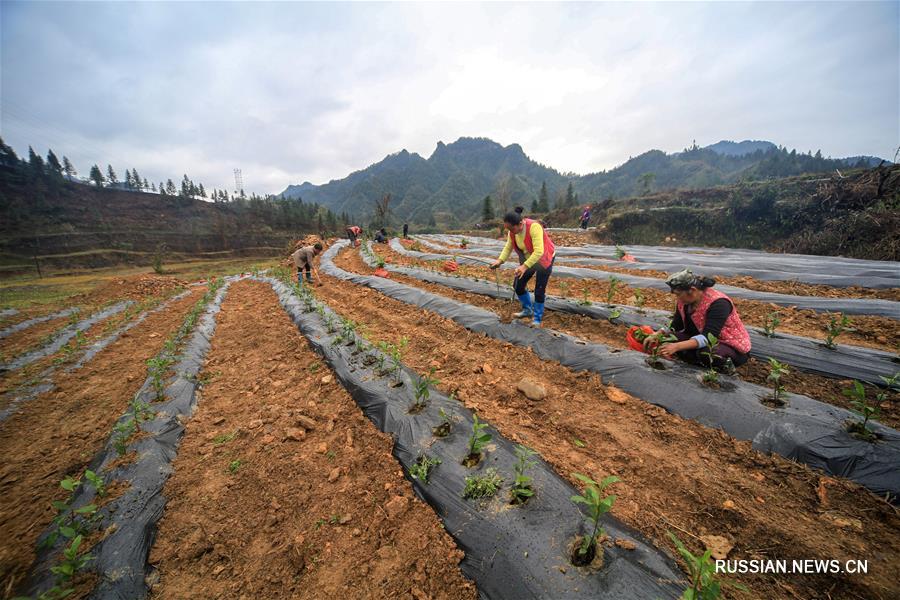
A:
(701, 311)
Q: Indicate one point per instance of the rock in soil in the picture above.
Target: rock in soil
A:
(532, 390)
(396, 505)
(719, 546)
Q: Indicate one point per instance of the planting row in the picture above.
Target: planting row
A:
(806, 430)
(827, 270)
(676, 475)
(859, 306)
(827, 358)
(518, 541)
(134, 463)
(75, 355)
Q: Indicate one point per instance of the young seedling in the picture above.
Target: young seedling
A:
(773, 320)
(597, 507)
(477, 442)
(482, 486)
(620, 252)
(776, 371)
(96, 481)
(835, 328)
(611, 290)
(121, 434)
(443, 428)
(860, 429)
(585, 301)
(639, 300)
(521, 490)
(710, 376)
(614, 314)
(422, 467)
(705, 582)
(71, 563)
(564, 288)
(654, 342)
(233, 466)
(421, 391)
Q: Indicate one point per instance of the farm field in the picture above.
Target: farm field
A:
(220, 431)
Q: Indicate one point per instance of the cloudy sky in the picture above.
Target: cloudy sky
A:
(294, 92)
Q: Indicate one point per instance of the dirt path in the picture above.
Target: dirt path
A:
(57, 434)
(822, 388)
(677, 475)
(282, 488)
(881, 333)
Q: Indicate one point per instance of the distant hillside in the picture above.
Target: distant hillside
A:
(67, 224)
(448, 188)
(857, 216)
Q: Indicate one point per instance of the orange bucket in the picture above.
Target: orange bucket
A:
(632, 341)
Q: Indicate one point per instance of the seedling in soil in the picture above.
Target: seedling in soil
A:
(597, 507)
(614, 314)
(776, 371)
(773, 320)
(141, 411)
(835, 328)
(443, 429)
(423, 467)
(69, 522)
(482, 486)
(224, 438)
(620, 252)
(521, 490)
(584, 297)
(121, 433)
(710, 376)
(477, 442)
(611, 291)
(329, 323)
(705, 582)
(655, 344)
(639, 300)
(422, 392)
(233, 466)
(96, 481)
(860, 429)
(578, 443)
(564, 288)
(71, 563)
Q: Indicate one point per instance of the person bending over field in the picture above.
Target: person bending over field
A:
(701, 310)
(353, 232)
(536, 254)
(303, 260)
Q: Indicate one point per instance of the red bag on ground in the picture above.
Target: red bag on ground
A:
(450, 266)
(382, 272)
(632, 341)
(628, 258)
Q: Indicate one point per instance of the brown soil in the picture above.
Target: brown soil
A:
(815, 386)
(877, 332)
(315, 510)
(65, 427)
(676, 474)
(30, 338)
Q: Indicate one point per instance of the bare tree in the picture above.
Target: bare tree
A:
(382, 210)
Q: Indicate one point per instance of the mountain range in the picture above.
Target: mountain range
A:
(449, 186)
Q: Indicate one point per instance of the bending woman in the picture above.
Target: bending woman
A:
(701, 311)
(536, 254)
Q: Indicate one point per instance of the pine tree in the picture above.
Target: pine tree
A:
(534, 205)
(543, 199)
(68, 168)
(36, 163)
(137, 179)
(146, 185)
(162, 188)
(152, 186)
(111, 175)
(170, 188)
(8, 156)
(53, 163)
(570, 196)
(97, 176)
(186, 186)
(487, 211)
(202, 191)
(129, 180)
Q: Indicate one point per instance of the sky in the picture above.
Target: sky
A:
(293, 92)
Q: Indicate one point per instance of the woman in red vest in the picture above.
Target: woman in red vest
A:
(536, 253)
(702, 310)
